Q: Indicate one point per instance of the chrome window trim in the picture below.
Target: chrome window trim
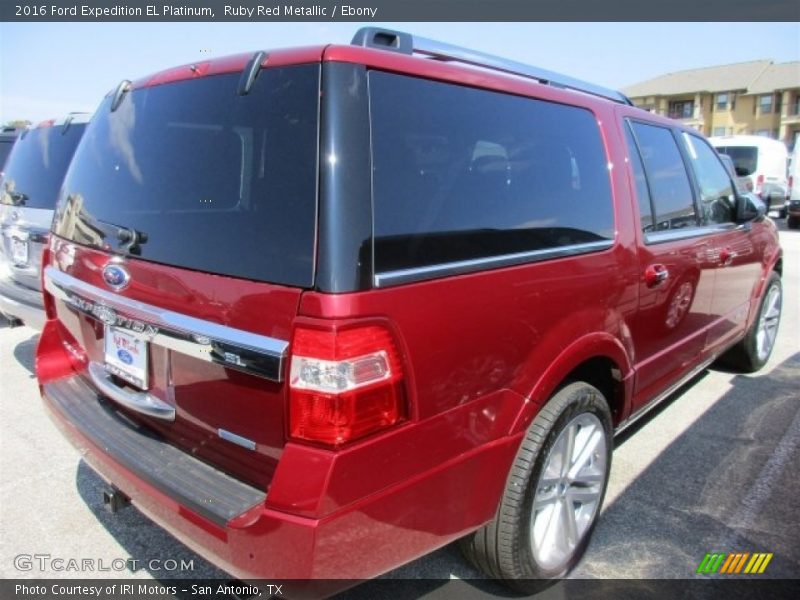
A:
(400, 276)
(211, 342)
(672, 235)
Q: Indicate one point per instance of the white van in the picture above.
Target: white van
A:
(763, 161)
(793, 204)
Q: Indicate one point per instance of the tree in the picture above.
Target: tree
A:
(18, 123)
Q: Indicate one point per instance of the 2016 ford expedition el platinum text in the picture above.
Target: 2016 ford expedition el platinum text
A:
(321, 311)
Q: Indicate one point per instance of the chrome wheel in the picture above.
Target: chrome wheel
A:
(569, 491)
(768, 323)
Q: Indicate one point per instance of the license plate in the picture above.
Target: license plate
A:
(19, 251)
(126, 356)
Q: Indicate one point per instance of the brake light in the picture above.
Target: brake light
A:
(344, 384)
(49, 303)
(759, 183)
(791, 182)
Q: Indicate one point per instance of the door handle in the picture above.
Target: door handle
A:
(139, 401)
(655, 275)
(726, 256)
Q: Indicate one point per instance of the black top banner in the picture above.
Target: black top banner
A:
(399, 10)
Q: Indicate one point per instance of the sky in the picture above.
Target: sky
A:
(50, 69)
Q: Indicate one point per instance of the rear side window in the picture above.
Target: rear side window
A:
(194, 175)
(462, 174)
(37, 164)
(670, 189)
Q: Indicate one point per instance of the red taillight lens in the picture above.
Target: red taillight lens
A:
(344, 384)
(791, 182)
(49, 305)
(759, 183)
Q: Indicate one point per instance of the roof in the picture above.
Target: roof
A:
(758, 76)
(777, 77)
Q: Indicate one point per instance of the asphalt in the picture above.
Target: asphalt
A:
(713, 469)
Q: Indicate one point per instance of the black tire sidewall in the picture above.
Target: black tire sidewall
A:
(751, 347)
(571, 401)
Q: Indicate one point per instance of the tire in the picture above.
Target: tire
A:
(754, 350)
(520, 547)
(793, 222)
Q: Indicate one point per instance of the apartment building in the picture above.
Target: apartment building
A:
(754, 98)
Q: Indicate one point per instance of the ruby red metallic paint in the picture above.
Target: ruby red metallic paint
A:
(480, 352)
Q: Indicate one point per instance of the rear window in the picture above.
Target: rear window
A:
(745, 158)
(462, 174)
(5, 150)
(37, 164)
(194, 175)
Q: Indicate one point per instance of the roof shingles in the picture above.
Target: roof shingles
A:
(754, 77)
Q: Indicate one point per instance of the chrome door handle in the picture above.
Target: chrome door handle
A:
(655, 275)
(141, 402)
(726, 256)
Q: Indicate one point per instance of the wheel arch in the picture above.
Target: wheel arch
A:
(599, 359)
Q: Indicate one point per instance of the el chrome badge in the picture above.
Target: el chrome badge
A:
(116, 276)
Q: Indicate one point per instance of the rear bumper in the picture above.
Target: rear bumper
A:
(233, 526)
(21, 302)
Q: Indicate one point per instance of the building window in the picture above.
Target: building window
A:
(763, 133)
(681, 110)
(765, 104)
(721, 102)
(718, 131)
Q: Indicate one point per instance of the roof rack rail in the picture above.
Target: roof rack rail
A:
(405, 43)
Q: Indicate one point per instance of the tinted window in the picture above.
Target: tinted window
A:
(745, 158)
(716, 191)
(194, 175)
(37, 164)
(666, 173)
(642, 191)
(5, 150)
(461, 173)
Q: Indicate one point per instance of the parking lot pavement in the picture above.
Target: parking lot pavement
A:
(713, 469)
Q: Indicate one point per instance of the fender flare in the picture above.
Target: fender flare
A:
(593, 345)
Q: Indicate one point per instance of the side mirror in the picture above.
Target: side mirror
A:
(749, 207)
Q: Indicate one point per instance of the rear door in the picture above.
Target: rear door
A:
(676, 271)
(183, 240)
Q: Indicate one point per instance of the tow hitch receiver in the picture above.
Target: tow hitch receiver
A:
(114, 500)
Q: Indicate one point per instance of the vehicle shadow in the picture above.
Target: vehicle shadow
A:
(148, 545)
(728, 483)
(25, 354)
(717, 487)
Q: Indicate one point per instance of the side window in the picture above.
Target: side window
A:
(461, 174)
(716, 189)
(666, 172)
(642, 191)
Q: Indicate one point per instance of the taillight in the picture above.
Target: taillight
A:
(49, 303)
(759, 183)
(791, 182)
(344, 384)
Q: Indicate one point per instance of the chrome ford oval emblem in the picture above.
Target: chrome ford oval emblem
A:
(116, 277)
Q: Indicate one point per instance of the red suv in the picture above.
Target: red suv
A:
(321, 311)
